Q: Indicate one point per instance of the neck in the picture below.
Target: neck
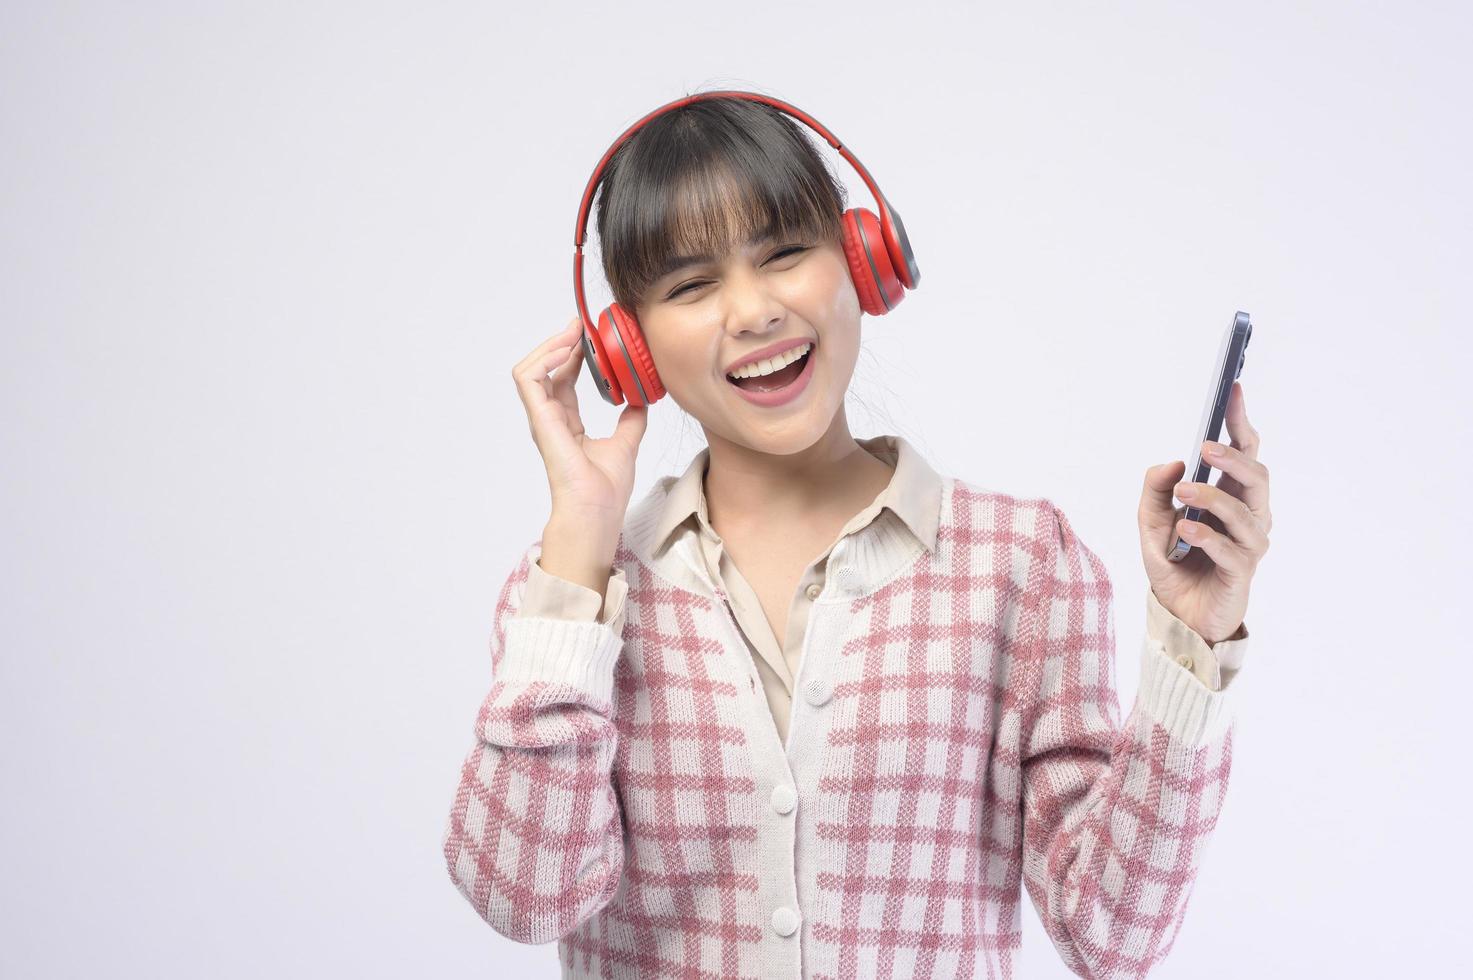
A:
(835, 476)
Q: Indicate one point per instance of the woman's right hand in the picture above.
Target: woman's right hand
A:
(590, 479)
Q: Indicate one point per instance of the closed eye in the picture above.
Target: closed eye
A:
(698, 283)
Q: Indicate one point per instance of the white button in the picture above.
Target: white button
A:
(1184, 660)
(784, 921)
(783, 798)
(813, 590)
(817, 691)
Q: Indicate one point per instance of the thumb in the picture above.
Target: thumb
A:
(1158, 495)
(632, 423)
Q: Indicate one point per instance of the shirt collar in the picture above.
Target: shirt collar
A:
(913, 493)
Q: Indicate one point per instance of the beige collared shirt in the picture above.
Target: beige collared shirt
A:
(907, 509)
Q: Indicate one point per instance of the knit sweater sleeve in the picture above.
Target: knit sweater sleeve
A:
(1115, 818)
(535, 836)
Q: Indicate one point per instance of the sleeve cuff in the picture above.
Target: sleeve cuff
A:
(1215, 665)
(549, 596)
(580, 655)
(1190, 711)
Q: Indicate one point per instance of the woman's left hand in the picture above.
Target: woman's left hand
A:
(1208, 589)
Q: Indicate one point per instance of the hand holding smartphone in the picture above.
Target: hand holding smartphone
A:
(1230, 356)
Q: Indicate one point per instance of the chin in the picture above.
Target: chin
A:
(786, 444)
(774, 431)
(789, 435)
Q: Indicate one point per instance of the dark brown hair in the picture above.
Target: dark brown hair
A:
(702, 179)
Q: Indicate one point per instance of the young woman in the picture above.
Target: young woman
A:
(811, 708)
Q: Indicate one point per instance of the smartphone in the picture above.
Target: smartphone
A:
(1230, 355)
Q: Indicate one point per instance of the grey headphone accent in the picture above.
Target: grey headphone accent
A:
(644, 395)
(910, 258)
(871, 260)
(604, 388)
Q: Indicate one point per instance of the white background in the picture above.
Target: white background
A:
(266, 268)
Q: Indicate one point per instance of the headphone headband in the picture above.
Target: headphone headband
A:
(888, 218)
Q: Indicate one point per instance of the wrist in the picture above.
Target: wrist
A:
(581, 555)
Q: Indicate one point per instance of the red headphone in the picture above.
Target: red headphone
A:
(615, 349)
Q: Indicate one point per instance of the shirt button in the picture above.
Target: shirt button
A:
(783, 798)
(817, 691)
(813, 590)
(784, 921)
(1184, 660)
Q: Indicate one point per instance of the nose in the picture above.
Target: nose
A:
(752, 307)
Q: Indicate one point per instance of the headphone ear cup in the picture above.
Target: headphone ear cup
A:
(629, 357)
(870, 266)
(596, 353)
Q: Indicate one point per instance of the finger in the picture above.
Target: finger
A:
(1243, 477)
(632, 423)
(1219, 547)
(1155, 495)
(532, 379)
(1244, 436)
(1246, 443)
(1243, 530)
(563, 338)
(531, 371)
(1157, 512)
(566, 373)
(551, 422)
(565, 390)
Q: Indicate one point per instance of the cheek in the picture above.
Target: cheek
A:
(845, 308)
(843, 354)
(841, 320)
(684, 366)
(841, 298)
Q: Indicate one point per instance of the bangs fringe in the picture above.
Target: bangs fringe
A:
(704, 183)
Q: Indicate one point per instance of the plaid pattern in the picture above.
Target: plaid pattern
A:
(956, 739)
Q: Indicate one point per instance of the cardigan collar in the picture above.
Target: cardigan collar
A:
(661, 530)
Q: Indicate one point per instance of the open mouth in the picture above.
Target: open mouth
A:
(778, 379)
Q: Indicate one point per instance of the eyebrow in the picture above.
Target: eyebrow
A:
(675, 263)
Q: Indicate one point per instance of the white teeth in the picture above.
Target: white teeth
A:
(771, 364)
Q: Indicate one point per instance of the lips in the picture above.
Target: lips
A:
(771, 350)
(786, 394)
(780, 378)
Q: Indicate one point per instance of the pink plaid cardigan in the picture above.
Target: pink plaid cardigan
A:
(957, 737)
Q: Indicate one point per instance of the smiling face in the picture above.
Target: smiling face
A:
(720, 230)
(700, 318)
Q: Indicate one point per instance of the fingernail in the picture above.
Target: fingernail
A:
(1212, 449)
(1185, 491)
